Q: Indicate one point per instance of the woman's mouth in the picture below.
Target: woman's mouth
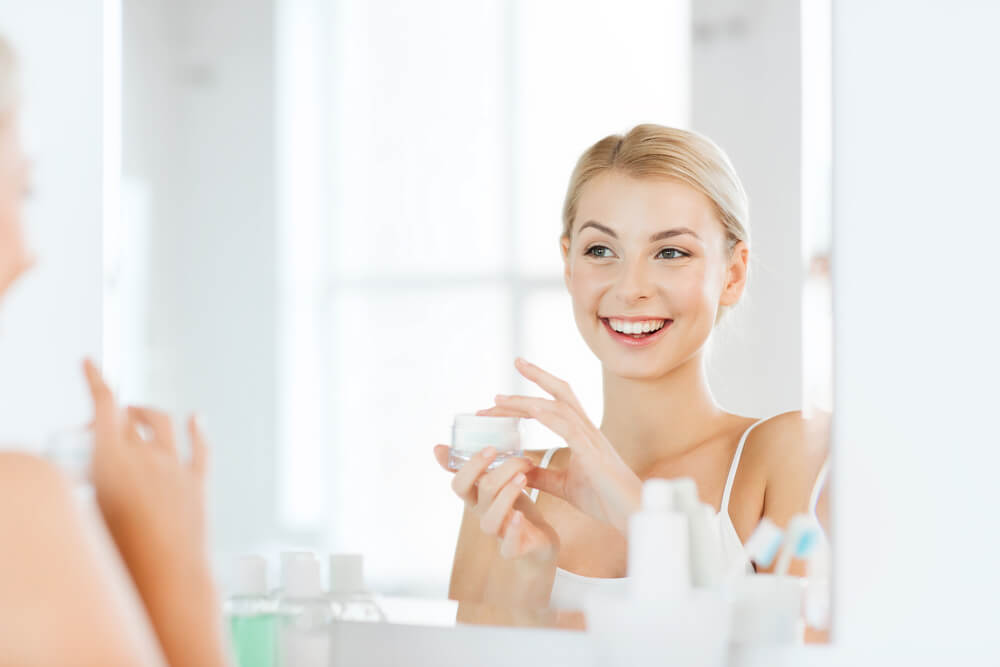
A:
(635, 333)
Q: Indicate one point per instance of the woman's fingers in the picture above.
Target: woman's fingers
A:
(464, 481)
(558, 389)
(492, 521)
(105, 410)
(199, 447)
(550, 481)
(159, 424)
(511, 546)
(441, 454)
(554, 415)
(491, 483)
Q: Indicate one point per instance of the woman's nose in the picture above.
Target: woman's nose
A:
(633, 284)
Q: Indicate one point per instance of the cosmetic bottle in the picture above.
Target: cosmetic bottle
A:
(71, 450)
(658, 546)
(663, 620)
(304, 614)
(703, 535)
(349, 600)
(250, 613)
(472, 433)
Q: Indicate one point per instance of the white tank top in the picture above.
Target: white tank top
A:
(570, 590)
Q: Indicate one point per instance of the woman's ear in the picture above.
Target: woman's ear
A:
(736, 274)
(564, 245)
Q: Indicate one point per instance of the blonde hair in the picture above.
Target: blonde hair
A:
(655, 151)
(8, 77)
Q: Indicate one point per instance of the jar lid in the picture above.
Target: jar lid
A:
(485, 423)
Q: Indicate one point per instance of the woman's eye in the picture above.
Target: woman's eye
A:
(672, 253)
(599, 251)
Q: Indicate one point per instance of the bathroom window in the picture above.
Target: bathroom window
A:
(419, 240)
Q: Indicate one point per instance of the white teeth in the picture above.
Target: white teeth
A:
(645, 326)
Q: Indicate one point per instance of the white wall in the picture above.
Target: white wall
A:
(916, 236)
(199, 142)
(746, 95)
(52, 318)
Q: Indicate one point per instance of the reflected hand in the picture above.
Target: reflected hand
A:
(154, 508)
(505, 511)
(150, 500)
(597, 481)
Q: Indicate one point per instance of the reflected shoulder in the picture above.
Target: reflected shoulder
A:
(790, 449)
(788, 432)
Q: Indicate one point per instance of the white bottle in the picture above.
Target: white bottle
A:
(703, 535)
(304, 614)
(658, 549)
(250, 613)
(349, 599)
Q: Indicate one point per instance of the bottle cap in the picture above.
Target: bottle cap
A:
(250, 576)
(346, 574)
(657, 494)
(686, 494)
(300, 576)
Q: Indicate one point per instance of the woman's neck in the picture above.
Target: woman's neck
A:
(652, 420)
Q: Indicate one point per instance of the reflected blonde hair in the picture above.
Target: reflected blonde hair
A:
(8, 77)
(655, 151)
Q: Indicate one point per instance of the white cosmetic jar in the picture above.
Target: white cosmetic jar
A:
(472, 433)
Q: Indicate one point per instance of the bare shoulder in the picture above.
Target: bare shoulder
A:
(788, 450)
(790, 435)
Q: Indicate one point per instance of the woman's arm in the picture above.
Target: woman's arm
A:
(782, 459)
(795, 449)
(153, 504)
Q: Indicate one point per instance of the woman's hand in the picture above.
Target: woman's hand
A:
(151, 501)
(505, 511)
(154, 507)
(596, 481)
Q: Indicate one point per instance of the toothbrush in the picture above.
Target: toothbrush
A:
(763, 545)
(801, 539)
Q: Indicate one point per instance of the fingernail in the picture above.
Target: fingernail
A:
(516, 519)
(489, 453)
(520, 479)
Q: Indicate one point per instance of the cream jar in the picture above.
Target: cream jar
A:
(472, 433)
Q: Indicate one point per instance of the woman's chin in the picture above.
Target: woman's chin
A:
(630, 369)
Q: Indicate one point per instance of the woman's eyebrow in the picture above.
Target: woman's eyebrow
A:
(658, 236)
(598, 226)
(676, 231)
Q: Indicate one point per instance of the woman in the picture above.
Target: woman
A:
(656, 247)
(65, 598)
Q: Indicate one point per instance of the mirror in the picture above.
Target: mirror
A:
(341, 220)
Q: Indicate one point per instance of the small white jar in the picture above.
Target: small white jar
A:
(472, 433)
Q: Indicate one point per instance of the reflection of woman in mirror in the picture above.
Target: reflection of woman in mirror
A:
(66, 599)
(656, 248)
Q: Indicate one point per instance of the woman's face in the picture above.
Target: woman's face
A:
(648, 267)
(14, 256)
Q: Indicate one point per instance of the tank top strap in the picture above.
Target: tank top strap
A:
(724, 508)
(546, 458)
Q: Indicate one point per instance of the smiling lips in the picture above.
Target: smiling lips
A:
(635, 332)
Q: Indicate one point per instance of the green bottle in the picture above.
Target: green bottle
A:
(251, 615)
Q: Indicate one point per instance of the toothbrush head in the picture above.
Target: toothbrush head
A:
(763, 545)
(807, 542)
